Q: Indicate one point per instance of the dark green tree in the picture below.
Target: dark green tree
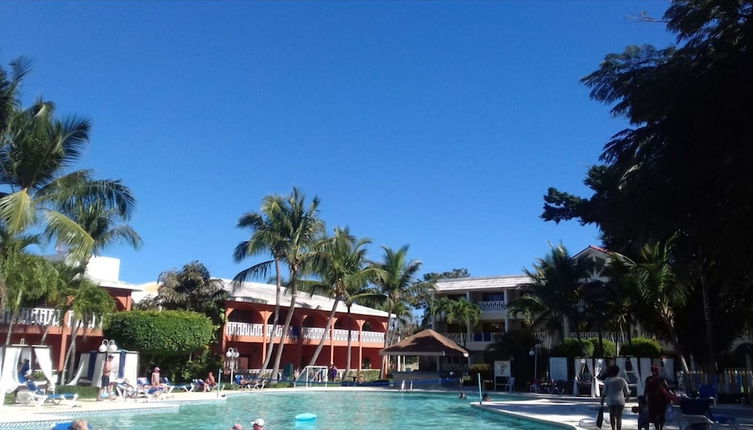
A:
(193, 289)
(685, 164)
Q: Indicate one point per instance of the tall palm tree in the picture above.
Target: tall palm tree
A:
(555, 296)
(296, 230)
(396, 283)
(35, 151)
(363, 295)
(266, 238)
(662, 295)
(342, 267)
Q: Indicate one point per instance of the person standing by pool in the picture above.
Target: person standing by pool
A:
(658, 397)
(104, 386)
(616, 393)
(155, 379)
(332, 372)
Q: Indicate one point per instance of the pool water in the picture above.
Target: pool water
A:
(335, 410)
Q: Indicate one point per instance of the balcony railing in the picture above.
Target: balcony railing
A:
(42, 317)
(309, 333)
(485, 336)
(492, 305)
(34, 316)
(372, 337)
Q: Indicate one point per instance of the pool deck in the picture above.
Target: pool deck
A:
(566, 411)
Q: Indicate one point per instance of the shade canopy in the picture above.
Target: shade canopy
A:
(425, 343)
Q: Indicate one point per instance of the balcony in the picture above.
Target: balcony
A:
(494, 305)
(41, 317)
(306, 333)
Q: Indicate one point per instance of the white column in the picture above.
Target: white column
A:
(507, 315)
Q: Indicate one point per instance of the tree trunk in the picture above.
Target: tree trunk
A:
(275, 320)
(288, 318)
(326, 331)
(385, 359)
(13, 317)
(350, 343)
(708, 323)
(74, 334)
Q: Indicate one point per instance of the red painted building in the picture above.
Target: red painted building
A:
(250, 312)
(32, 322)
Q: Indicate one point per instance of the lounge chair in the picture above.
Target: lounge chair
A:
(39, 393)
(696, 413)
(709, 392)
(125, 390)
(198, 384)
(184, 387)
(143, 389)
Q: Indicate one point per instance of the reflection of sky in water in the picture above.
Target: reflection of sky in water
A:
(334, 410)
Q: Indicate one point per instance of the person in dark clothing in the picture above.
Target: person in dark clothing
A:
(657, 397)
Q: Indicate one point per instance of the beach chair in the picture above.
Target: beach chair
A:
(696, 413)
(29, 398)
(52, 398)
(185, 387)
(125, 390)
(146, 391)
(198, 385)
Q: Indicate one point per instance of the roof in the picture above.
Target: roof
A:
(425, 343)
(256, 292)
(485, 283)
(108, 283)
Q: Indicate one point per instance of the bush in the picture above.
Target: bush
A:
(573, 348)
(641, 347)
(160, 333)
(609, 351)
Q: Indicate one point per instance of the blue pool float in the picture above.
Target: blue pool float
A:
(305, 417)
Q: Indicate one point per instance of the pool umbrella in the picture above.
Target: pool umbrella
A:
(425, 343)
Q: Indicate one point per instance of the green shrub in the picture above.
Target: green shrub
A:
(573, 348)
(160, 333)
(641, 347)
(609, 351)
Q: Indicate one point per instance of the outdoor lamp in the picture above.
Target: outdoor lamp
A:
(531, 353)
(108, 346)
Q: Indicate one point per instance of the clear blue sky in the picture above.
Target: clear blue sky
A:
(434, 124)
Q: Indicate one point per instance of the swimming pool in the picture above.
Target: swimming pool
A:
(335, 410)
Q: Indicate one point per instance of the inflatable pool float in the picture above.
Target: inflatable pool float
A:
(305, 417)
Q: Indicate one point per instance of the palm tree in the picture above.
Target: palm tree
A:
(341, 264)
(396, 283)
(90, 304)
(296, 228)
(363, 295)
(266, 238)
(554, 297)
(34, 154)
(192, 289)
(662, 295)
(463, 312)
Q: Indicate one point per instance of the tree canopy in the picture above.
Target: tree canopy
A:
(684, 166)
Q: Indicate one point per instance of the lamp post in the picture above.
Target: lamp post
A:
(232, 355)
(534, 352)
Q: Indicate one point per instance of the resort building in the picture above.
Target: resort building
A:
(492, 294)
(32, 323)
(249, 316)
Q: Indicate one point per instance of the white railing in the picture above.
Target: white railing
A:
(458, 338)
(492, 305)
(33, 316)
(372, 337)
(244, 329)
(278, 331)
(314, 333)
(613, 336)
(485, 336)
(542, 336)
(342, 335)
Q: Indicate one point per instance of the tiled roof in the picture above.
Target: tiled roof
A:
(486, 283)
(256, 292)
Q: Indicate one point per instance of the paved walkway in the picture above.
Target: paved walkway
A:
(570, 411)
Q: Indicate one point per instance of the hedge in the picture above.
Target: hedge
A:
(641, 347)
(163, 333)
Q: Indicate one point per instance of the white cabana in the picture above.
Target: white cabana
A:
(91, 363)
(598, 366)
(633, 376)
(558, 368)
(13, 355)
(579, 365)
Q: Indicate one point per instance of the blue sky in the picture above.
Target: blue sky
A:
(434, 124)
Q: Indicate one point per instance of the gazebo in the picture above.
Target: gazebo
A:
(427, 343)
